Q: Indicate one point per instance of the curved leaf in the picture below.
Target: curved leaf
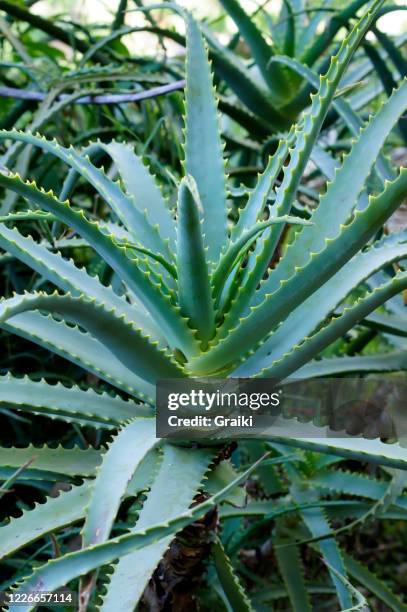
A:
(80, 348)
(231, 585)
(117, 333)
(386, 362)
(58, 460)
(65, 275)
(113, 476)
(60, 401)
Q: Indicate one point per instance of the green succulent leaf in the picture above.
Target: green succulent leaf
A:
(203, 148)
(229, 580)
(373, 451)
(366, 578)
(301, 354)
(318, 525)
(321, 266)
(341, 195)
(49, 461)
(261, 51)
(257, 201)
(305, 137)
(80, 348)
(296, 327)
(65, 275)
(113, 330)
(195, 295)
(56, 512)
(120, 462)
(322, 42)
(238, 248)
(67, 508)
(292, 572)
(39, 397)
(384, 362)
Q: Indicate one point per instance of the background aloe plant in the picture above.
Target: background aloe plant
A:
(308, 34)
(192, 294)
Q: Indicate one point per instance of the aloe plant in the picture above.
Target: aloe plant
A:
(197, 297)
(271, 95)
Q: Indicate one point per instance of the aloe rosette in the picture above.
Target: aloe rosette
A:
(199, 298)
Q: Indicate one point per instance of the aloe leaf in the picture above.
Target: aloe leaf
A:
(157, 259)
(391, 493)
(344, 110)
(177, 482)
(353, 483)
(387, 79)
(300, 355)
(237, 249)
(60, 571)
(324, 162)
(271, 510)
(389, 324)
(383, 71)
(308, 32)
(392, 50)
(123, 206)
(49, 109)
(257, 201)
(314, 117)
(292, 572)
(160, 307)
(322, 42)
(30, 215)
(372, 451)
(261, 50)
(257, 100)
(65, 275)
(59, 401)
(119, 335)
(385, 362)
(79, 348)
(113, 476)
(44, 518)
(203, 148)
(290, 33)
(361, 604)
(364, 68)
(366, 578)
(141, 186)
(219, 477)
(119, 15)
(320, 304)
(59, 460)
(194, 288)
(229, 580)
(317, 523)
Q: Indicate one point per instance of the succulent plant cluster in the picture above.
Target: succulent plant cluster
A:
(201, 286)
